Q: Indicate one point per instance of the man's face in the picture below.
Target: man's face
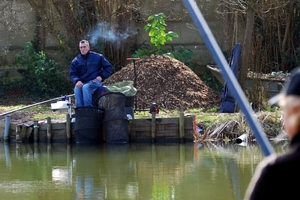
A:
(84, 48)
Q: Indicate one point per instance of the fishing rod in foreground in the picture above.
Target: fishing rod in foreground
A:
(228, 75)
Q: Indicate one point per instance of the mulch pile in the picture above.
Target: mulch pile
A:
(168, 83)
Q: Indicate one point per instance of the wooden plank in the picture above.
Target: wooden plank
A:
(153, 126)
(23, 132)
(35, 131)
(139, 122)
(145, 129)
(43, 127)
(175, 132)
(158, 121)
(58, 126)
(138, 129)
(190, 122)
(53, 126)
(29, 132)
(59, 135)
(12, 128)
(167, 127)
(167, 134)
(190, 127)
(181, 125)
(18, 133)
(2, 127)
(42, 135)
(140, 134)
(189, 134)
(168, 121)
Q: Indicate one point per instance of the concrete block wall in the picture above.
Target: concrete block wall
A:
(22, 24)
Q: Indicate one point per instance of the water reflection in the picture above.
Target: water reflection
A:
(129, 171)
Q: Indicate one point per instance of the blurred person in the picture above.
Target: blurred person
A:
(87, 71)
(276, 176)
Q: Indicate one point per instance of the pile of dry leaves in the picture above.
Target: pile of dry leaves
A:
(166, 82)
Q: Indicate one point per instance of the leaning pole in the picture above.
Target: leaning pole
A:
(228, 75)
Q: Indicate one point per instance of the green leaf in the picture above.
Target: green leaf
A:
(151, 17)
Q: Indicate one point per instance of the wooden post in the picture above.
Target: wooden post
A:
(18, 133)
(68, 127)
(153, 122)
(23, 133)
(28, 133)
(181, 126)
(49, 130)
(35, 131)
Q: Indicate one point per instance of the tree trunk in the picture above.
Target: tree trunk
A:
(290, 14)
(246, 51)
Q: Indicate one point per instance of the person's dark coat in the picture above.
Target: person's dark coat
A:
(88, 67)
(277, 177)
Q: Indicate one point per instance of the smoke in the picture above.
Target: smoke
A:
(104, 31)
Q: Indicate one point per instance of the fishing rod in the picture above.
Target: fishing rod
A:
(228, 75)
(36, 104)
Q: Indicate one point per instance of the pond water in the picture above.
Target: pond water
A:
(132, 171)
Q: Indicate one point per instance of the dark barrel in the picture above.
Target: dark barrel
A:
(96, 95)
(130, 112)
(88, 124)
(115, 123)
(129, 102)
(115, 130)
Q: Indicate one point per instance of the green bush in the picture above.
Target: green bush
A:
(43, 76)
(158, 38)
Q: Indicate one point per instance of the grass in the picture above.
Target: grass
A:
(38, 112)
(43, 111)
(52, 116)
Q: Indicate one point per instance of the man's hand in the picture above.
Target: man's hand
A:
(79, 84)
(99, 78)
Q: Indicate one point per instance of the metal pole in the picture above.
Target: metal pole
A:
(70, 106)
(134, 71)
(42, 102)
(227, 74)
(134, 83)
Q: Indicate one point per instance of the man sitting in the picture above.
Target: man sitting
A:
(87, 71)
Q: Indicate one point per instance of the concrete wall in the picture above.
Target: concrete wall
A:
(17, 27)
(22, 25)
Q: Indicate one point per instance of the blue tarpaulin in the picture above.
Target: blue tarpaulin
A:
(227, 99)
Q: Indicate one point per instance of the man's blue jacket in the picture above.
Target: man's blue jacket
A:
(88, 67)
